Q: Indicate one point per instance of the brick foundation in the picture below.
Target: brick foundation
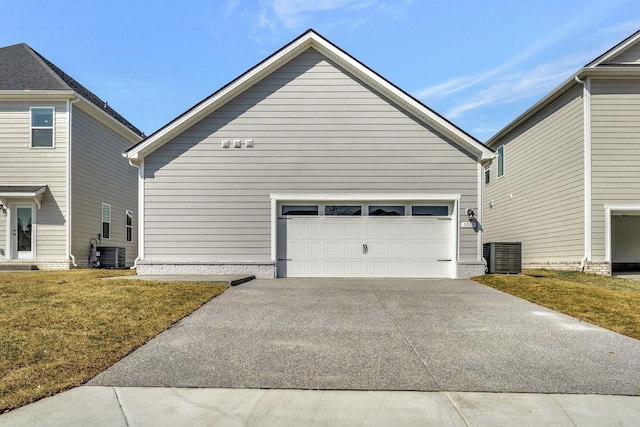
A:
(602, 268)
(260, 270)
(42, 264)
(468, 269)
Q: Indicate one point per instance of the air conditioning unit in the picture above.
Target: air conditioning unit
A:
(112, 257)
(503, 257)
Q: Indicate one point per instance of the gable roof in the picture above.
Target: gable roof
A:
(606, 65)
(24, 69)
(608, 58)
(309, 39)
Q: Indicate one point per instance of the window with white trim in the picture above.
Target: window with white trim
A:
(128, 226)
(500, 152)
(487, 174)
(42, 127)
(106, 221)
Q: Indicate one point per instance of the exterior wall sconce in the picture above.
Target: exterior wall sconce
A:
(471, 214)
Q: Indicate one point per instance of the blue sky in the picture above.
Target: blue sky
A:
(478, 63)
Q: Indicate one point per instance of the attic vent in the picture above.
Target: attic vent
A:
(503, 257)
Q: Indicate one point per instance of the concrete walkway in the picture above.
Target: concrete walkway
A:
(354, 352)
(128, 407)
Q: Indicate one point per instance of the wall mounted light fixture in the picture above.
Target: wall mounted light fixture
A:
(471, 214)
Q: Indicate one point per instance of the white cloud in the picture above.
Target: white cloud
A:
(296, 15)
(507, 88)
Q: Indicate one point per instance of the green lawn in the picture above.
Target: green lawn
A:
(60, 329)
(610, 302)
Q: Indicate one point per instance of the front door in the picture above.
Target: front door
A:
(22, 231)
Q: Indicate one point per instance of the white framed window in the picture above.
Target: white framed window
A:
(303, 210)
(128, 226)
(106, 221)
(383, 210)
(42, 129)
(343, 210)
(500, 152)
(487, 174)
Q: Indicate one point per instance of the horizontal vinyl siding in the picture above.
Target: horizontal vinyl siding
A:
(23, 165)
(101, 175)
(315, 130)
(629, 56)
(539, 201)
(615, 118)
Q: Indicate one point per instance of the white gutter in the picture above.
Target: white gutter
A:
(69, 165)
(586, 84)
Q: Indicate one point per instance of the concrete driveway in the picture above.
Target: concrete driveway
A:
(419, 335)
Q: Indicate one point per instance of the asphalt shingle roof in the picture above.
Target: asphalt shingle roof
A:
(22, 68)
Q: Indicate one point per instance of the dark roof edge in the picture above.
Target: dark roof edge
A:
(609, 51)
(285, 47)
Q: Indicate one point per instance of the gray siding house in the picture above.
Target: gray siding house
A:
(63, 179)
(310, 165)
(566, 179)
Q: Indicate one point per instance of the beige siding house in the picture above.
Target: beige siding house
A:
(566, 180)
(63, 179)
(310, 165)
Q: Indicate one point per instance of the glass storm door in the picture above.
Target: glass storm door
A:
(22, 232)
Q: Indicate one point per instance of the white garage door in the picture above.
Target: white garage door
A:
(365, 246)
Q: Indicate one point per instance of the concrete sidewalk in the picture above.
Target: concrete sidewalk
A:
(130, 406)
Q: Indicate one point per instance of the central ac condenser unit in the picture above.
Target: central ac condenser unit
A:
(503, 257)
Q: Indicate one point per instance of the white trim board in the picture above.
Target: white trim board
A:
(608, 211)
(277, 198)
(309, 39)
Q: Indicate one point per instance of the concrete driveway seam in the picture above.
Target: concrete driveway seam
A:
(125, 415)
(406, 338)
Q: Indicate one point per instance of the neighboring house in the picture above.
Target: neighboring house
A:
(63, 179)
(566, 180)
(310, 164)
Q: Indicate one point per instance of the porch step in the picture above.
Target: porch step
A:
(17, 267)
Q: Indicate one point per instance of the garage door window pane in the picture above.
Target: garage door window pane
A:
(429, 210)
(300, 210)
(343, 210)
(386, 210)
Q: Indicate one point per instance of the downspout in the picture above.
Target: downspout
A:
(69, 137)
(586, 84)
(140, 214)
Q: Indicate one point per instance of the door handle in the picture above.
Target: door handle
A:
(365, 249)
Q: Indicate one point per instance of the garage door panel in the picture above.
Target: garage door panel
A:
(395, 247)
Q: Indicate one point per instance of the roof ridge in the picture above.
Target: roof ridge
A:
(45, 64)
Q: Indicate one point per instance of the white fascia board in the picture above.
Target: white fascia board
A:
(107, 119)
(37, 94)
(36, 196)
(617, 49)
(535, 108)
(218, 99)
(364, 197)
(559, 91)
(307, 40)
(407, 102)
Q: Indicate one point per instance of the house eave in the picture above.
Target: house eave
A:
(108, 120)
(310, 40)
(601, 71)
(37, 94)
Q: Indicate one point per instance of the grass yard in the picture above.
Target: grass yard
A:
(610, 302)
(60, 329)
